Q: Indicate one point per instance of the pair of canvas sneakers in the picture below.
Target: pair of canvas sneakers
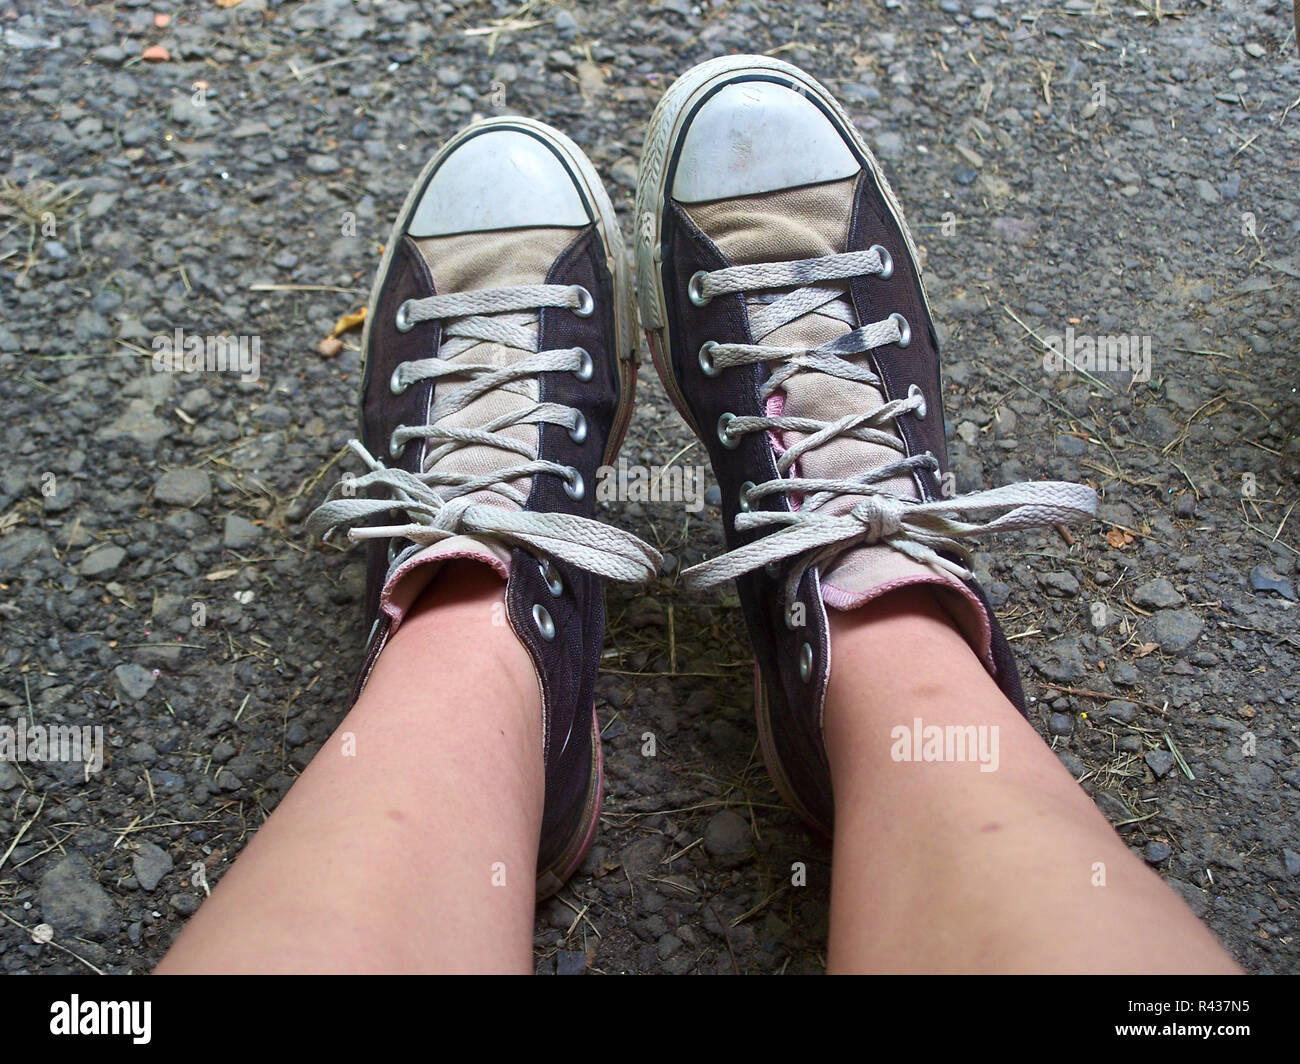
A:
(780, 292)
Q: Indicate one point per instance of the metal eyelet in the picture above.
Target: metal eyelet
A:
(579, 431)
(706, 359)
(543, 621)
(914, 392)
(695, 289)
(728, 441)
(393, 550)
(585, 302)
(773, 569)
(805, 662)
(552, 577)
(574, 486)
(395, 449)
(404, 322)
(886, 262)
(586, 367)
(904, 330)
(394, 385)
(744, 504)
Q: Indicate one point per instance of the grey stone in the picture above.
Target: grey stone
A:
(1120, 710)
(1060, 724)
(1073, 764)
(102, 560)
(1112, 807)
(183, 487)
(132, 682)
(1125, 674)
(1156, 851)
(150, 863)
(20, 546)
(1160, 762)
(227, 781)
(1157, 594)
(1292, 861)
(727, 838)
(186, 904)
(240, 533)
(1059, 584)
(1264, 578)
(890, 144)
(1176, 630)
(667, 945)
(1062, 661)
(62, 499)
(570, 962)
(73, 902)
(322, 164)
(642, 856)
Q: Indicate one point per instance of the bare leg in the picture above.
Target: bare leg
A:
(939, 867)
(392, 859)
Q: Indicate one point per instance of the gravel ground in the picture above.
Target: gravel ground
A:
(1070, 166)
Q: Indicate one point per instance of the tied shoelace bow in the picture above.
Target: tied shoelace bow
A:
(437, 501)
(918, 529)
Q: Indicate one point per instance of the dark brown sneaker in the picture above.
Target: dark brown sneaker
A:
(780, 291)
(499, 356)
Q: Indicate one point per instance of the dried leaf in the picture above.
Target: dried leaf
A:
(229, 3)
(1118, 539)
(222, 574)
(329, 347)
(349, 322)
(1147, 648)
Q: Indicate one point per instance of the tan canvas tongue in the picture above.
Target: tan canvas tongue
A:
(464, 263)
(801, 223)
(804, 223)
(810, 222)
(468, 262)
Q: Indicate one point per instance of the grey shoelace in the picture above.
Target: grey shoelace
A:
(437, 501)
(916, 528)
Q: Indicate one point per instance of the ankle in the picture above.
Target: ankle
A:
(917, 608)
(897, 657)
(461, 613)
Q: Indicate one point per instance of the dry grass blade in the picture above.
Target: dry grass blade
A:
(36, 205)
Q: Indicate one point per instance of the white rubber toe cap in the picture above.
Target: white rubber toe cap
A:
(756, 136)
(499, 179)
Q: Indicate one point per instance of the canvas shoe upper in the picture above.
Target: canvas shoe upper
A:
(780, 291)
